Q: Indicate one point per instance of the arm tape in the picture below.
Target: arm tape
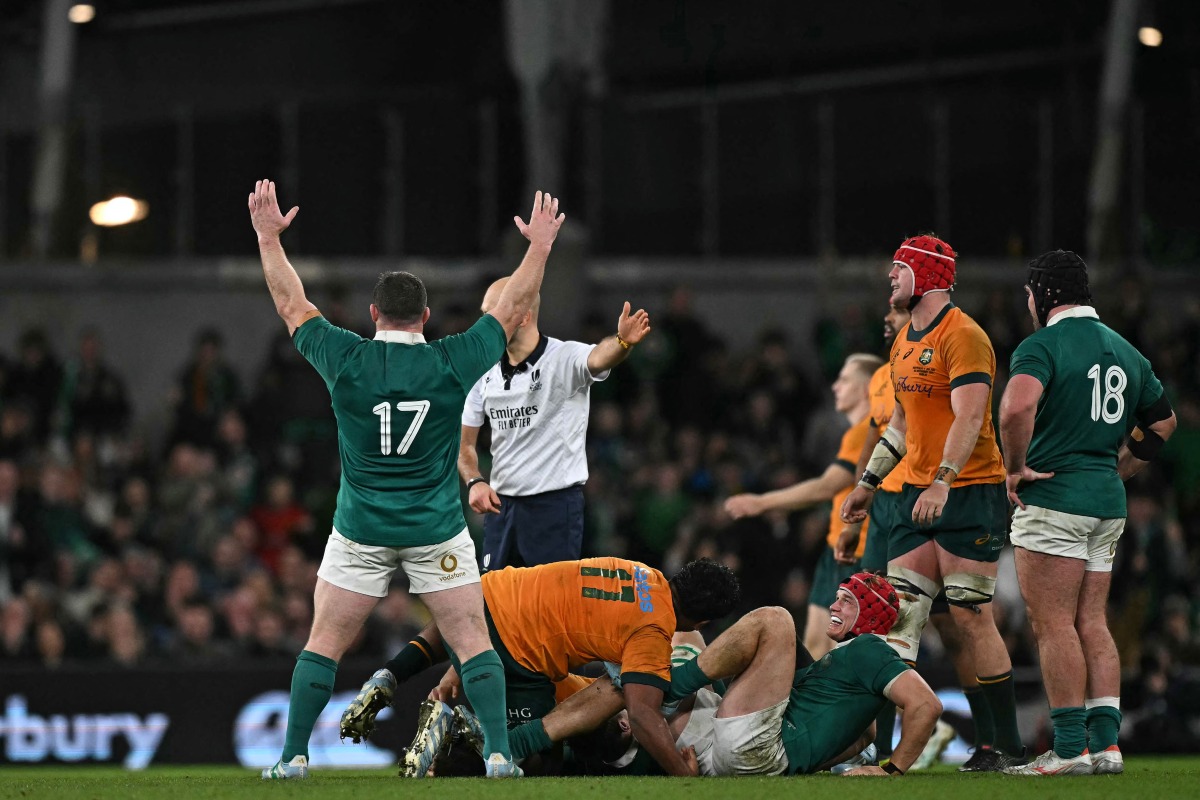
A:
(1160, 410)
(888, 452)
(1144, 444)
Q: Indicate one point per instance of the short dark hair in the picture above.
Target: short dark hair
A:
(400, 297)
(705, 590)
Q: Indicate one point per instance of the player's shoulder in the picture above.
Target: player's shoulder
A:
(872, 646)
(959, 320)
(958, 328)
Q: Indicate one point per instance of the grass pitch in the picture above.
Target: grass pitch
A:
(1144, 777)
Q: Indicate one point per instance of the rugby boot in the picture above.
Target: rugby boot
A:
(983, 759)
(296, 768)
(500, 767)
(1108, 762)
(467, 729)
(1051, 763)
(358, 720)
(433, 737)
(867, 756)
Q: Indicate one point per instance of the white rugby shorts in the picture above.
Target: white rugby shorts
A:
(751, 744)
(368, 569)
(1057, 533)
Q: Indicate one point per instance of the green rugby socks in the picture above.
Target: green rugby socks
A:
(312, 685)
(1103, 722)
(483, 682)
(528, 739)
(1070, 731)
(687, 678)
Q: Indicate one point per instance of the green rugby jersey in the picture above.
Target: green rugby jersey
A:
(833, 700)
(398, 407)
(1094, 385)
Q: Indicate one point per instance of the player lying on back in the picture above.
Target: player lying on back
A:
(776, 720)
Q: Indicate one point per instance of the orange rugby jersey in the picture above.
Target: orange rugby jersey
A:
(926, 366)
(852, 445)
(557, 616)
(883, 403)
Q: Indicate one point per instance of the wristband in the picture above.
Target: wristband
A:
(942, 477)
(473, 481)
(892, 769)
(624, 344)
(869, 480)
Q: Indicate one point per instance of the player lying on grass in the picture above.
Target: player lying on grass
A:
(545, 621)
(772, 718)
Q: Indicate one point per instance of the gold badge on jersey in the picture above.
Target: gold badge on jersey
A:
(926, 355)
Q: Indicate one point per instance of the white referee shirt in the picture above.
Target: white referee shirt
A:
(538, 420)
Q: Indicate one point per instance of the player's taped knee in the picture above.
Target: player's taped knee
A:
(916, 596)
(969, 590)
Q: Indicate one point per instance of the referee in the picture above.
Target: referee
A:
(536, 401)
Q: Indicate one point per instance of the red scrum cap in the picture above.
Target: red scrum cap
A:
(878, 604)
(931, 261)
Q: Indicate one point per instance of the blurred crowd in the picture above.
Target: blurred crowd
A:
(205, 547)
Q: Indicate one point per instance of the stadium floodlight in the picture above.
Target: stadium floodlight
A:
(82, 13)
(119, 210)
(1151, 37)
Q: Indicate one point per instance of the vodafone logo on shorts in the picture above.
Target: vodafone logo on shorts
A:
(449, 563)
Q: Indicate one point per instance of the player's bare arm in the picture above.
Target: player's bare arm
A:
(807, 493)
(519, 293)
(1018, 408)
(650, 729)
(969, 404)
(856, 504)
(284, 284)
(920, 709)
(631, 329)
(481, 496)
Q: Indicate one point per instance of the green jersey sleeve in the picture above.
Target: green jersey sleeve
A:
(1152, 388)
(878, 666)
(474, 352)
(325, 346)
(1032, 358)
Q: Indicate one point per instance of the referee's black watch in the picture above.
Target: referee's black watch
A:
(473, 481)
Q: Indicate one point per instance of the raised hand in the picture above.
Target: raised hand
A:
(633, 328)
(544, 220)
(268, 222)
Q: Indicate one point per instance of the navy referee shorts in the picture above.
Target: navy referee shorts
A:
(534, 529)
